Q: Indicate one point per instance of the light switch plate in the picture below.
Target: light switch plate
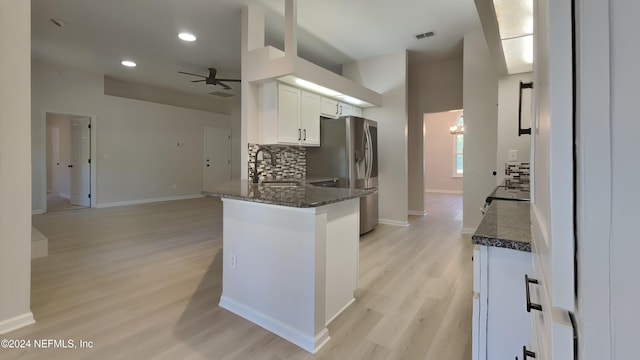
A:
(513, 155)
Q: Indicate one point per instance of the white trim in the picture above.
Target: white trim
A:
(468, 231)
(417, 212)
(94, 158)
(145, 201)
(37, 212)
(16, 323)
(340, 312)
(308, 343)
(393, 222)
(443, 191)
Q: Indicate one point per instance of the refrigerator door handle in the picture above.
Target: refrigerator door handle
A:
(369, 161)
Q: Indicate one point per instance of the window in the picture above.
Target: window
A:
(458, 146)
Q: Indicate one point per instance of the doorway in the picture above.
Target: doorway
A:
(68, 162)
(217, 156)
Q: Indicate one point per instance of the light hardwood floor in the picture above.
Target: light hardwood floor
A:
(143, 282)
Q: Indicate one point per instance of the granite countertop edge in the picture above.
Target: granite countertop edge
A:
(502, 243)
(302, 205)
(506, 224)
(303, 196)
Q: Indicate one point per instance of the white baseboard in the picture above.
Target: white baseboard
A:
(146, 201)
(16, 323)
(340, 312)
(37, 212)
(417, 212)
(468, 230)
(393, 222)
(309, 343)
(442, 191)
(66, 196)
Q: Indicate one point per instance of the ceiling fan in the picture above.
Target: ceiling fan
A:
(211, 79)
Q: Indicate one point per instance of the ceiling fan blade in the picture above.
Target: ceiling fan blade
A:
(199, 80)
(230, 80)
(225, 86)
(212, 73)
(186, 73)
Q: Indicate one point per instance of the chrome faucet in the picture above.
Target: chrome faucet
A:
(256, 174)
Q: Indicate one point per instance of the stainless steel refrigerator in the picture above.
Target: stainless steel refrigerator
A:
(349, 151)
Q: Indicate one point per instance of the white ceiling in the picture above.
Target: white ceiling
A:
(100, 33)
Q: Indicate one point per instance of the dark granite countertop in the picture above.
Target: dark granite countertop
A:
(303, 196)
(506, 224)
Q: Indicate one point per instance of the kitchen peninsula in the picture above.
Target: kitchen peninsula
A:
(290, 260)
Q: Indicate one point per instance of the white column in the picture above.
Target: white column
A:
(15, 164)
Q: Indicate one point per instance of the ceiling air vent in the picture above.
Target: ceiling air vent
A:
(220, 94)
(425, 35)
(58, 22)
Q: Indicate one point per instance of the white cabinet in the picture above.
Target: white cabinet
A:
(310, 118)
(501, 324)
(289, 115)
(333, 108)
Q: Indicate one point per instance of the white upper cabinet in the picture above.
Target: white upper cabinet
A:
(289, 115)
(333, 108)
(288, 118)
(310, 118)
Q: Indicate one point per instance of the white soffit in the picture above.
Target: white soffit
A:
(515, 23)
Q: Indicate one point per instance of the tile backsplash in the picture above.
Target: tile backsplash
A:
(517, 172)
(291, 162)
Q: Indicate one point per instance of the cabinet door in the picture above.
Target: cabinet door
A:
(344, 109)
(329, 107)
(289, 131)
(310, 118)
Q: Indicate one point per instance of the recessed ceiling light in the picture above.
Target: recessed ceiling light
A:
(187, 37)
(128, 63)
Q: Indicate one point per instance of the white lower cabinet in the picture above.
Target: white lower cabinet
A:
(501, 323)
(553, 330)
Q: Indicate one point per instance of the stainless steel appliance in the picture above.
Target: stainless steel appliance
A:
(349, 151)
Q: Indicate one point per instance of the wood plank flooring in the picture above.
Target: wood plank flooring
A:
(143, 282)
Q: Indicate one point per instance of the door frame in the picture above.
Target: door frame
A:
(42, 152)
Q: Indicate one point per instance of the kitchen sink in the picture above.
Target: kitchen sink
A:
(281, 183)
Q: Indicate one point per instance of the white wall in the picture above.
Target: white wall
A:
(387, 75)
(480, 99)
(508, 139)
(15, 170)
(135, 141)
(433, 87)
(439, 153)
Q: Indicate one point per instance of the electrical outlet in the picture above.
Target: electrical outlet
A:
(513, 155)
(233, 261)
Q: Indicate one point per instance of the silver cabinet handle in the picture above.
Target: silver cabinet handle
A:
(299, 134)
(305, 135)
(530, 305)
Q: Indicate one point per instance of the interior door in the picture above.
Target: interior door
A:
(217, 156)
(80, 172)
